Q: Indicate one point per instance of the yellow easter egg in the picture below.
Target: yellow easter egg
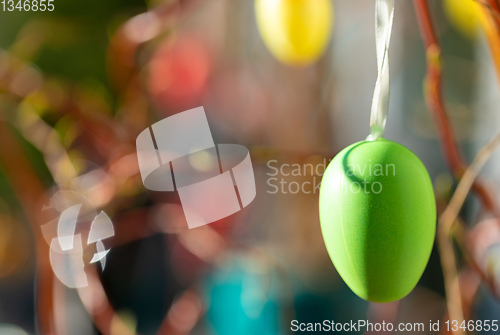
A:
(296, 32)
(464, 15)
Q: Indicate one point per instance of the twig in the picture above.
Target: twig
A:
(450, 214)
(445, 225)
(30, 193)
(436, 104)
(491, 25)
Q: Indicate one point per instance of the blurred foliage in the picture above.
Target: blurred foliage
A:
(74, 37)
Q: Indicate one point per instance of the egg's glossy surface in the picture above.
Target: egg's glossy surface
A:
(295, 31)
(378, 218)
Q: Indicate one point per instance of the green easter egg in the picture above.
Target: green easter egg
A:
(378, 218)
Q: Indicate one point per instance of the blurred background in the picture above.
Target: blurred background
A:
(79, 83)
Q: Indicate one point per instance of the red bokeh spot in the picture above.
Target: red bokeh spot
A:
(178, 74)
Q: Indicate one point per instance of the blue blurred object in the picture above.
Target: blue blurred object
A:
(242, 298)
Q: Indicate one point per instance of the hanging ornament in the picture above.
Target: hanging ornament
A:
(465, 15)
(377, 207)
(296, 32)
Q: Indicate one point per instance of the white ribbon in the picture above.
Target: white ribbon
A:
(384, 14)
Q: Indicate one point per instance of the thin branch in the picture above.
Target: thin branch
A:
(450, 214)
(445, 225)
(491, 26)
(437, 105)
(30, 193)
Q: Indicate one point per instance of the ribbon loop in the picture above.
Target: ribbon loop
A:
(384, 15)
